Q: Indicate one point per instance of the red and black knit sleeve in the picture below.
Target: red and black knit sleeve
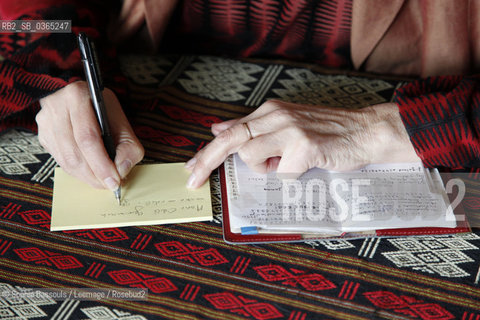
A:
(33, 65)
(442, 117)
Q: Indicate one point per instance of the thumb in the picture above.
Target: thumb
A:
(129, 153)
(129, 150)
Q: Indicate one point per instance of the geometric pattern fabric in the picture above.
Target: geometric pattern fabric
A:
(188, 269)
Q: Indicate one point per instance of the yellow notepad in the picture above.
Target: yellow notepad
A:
(151, 194)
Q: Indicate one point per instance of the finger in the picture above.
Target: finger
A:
(129, 150)
(129, 7)
(215, 154)
(66, 152)
(227, 142)
(274, 121)
(266, 123)
(272, 164)
(257, 152)
(217, 128)
(265, 108)
(129, 153)
(58, 140)
(88, 137)
(131, 18)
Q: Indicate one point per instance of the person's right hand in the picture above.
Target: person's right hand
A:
(69, 131)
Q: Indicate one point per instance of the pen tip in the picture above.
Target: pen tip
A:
(117, 195)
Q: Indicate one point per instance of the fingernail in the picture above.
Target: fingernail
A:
(191, 181)
(190, 163)
(124, 168)
(111, 183)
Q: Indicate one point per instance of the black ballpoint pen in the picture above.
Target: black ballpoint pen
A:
(95, 85)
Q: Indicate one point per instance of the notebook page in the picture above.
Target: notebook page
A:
(376, 197)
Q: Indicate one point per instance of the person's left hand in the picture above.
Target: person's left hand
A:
(293, 138)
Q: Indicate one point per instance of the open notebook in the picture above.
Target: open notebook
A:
(388, 199)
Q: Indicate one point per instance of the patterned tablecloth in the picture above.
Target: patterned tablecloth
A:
(189, 270)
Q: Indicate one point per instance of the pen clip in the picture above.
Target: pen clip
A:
(96, 66)
(89, 56)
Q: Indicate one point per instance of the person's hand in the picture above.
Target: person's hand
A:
(69, 131)
(134, 14)
(293, 138)
(129, 20)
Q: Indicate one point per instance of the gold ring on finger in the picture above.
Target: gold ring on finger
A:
(249, 132)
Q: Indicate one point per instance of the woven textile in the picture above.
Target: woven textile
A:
(189, 270)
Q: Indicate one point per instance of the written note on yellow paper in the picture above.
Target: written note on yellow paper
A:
(152, 194)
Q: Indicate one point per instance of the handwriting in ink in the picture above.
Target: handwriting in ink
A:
(137, 211)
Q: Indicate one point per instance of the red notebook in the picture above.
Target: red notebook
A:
(239, 238)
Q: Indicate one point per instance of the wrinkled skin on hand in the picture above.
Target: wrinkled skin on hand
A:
(293, 138)
(69, 131)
